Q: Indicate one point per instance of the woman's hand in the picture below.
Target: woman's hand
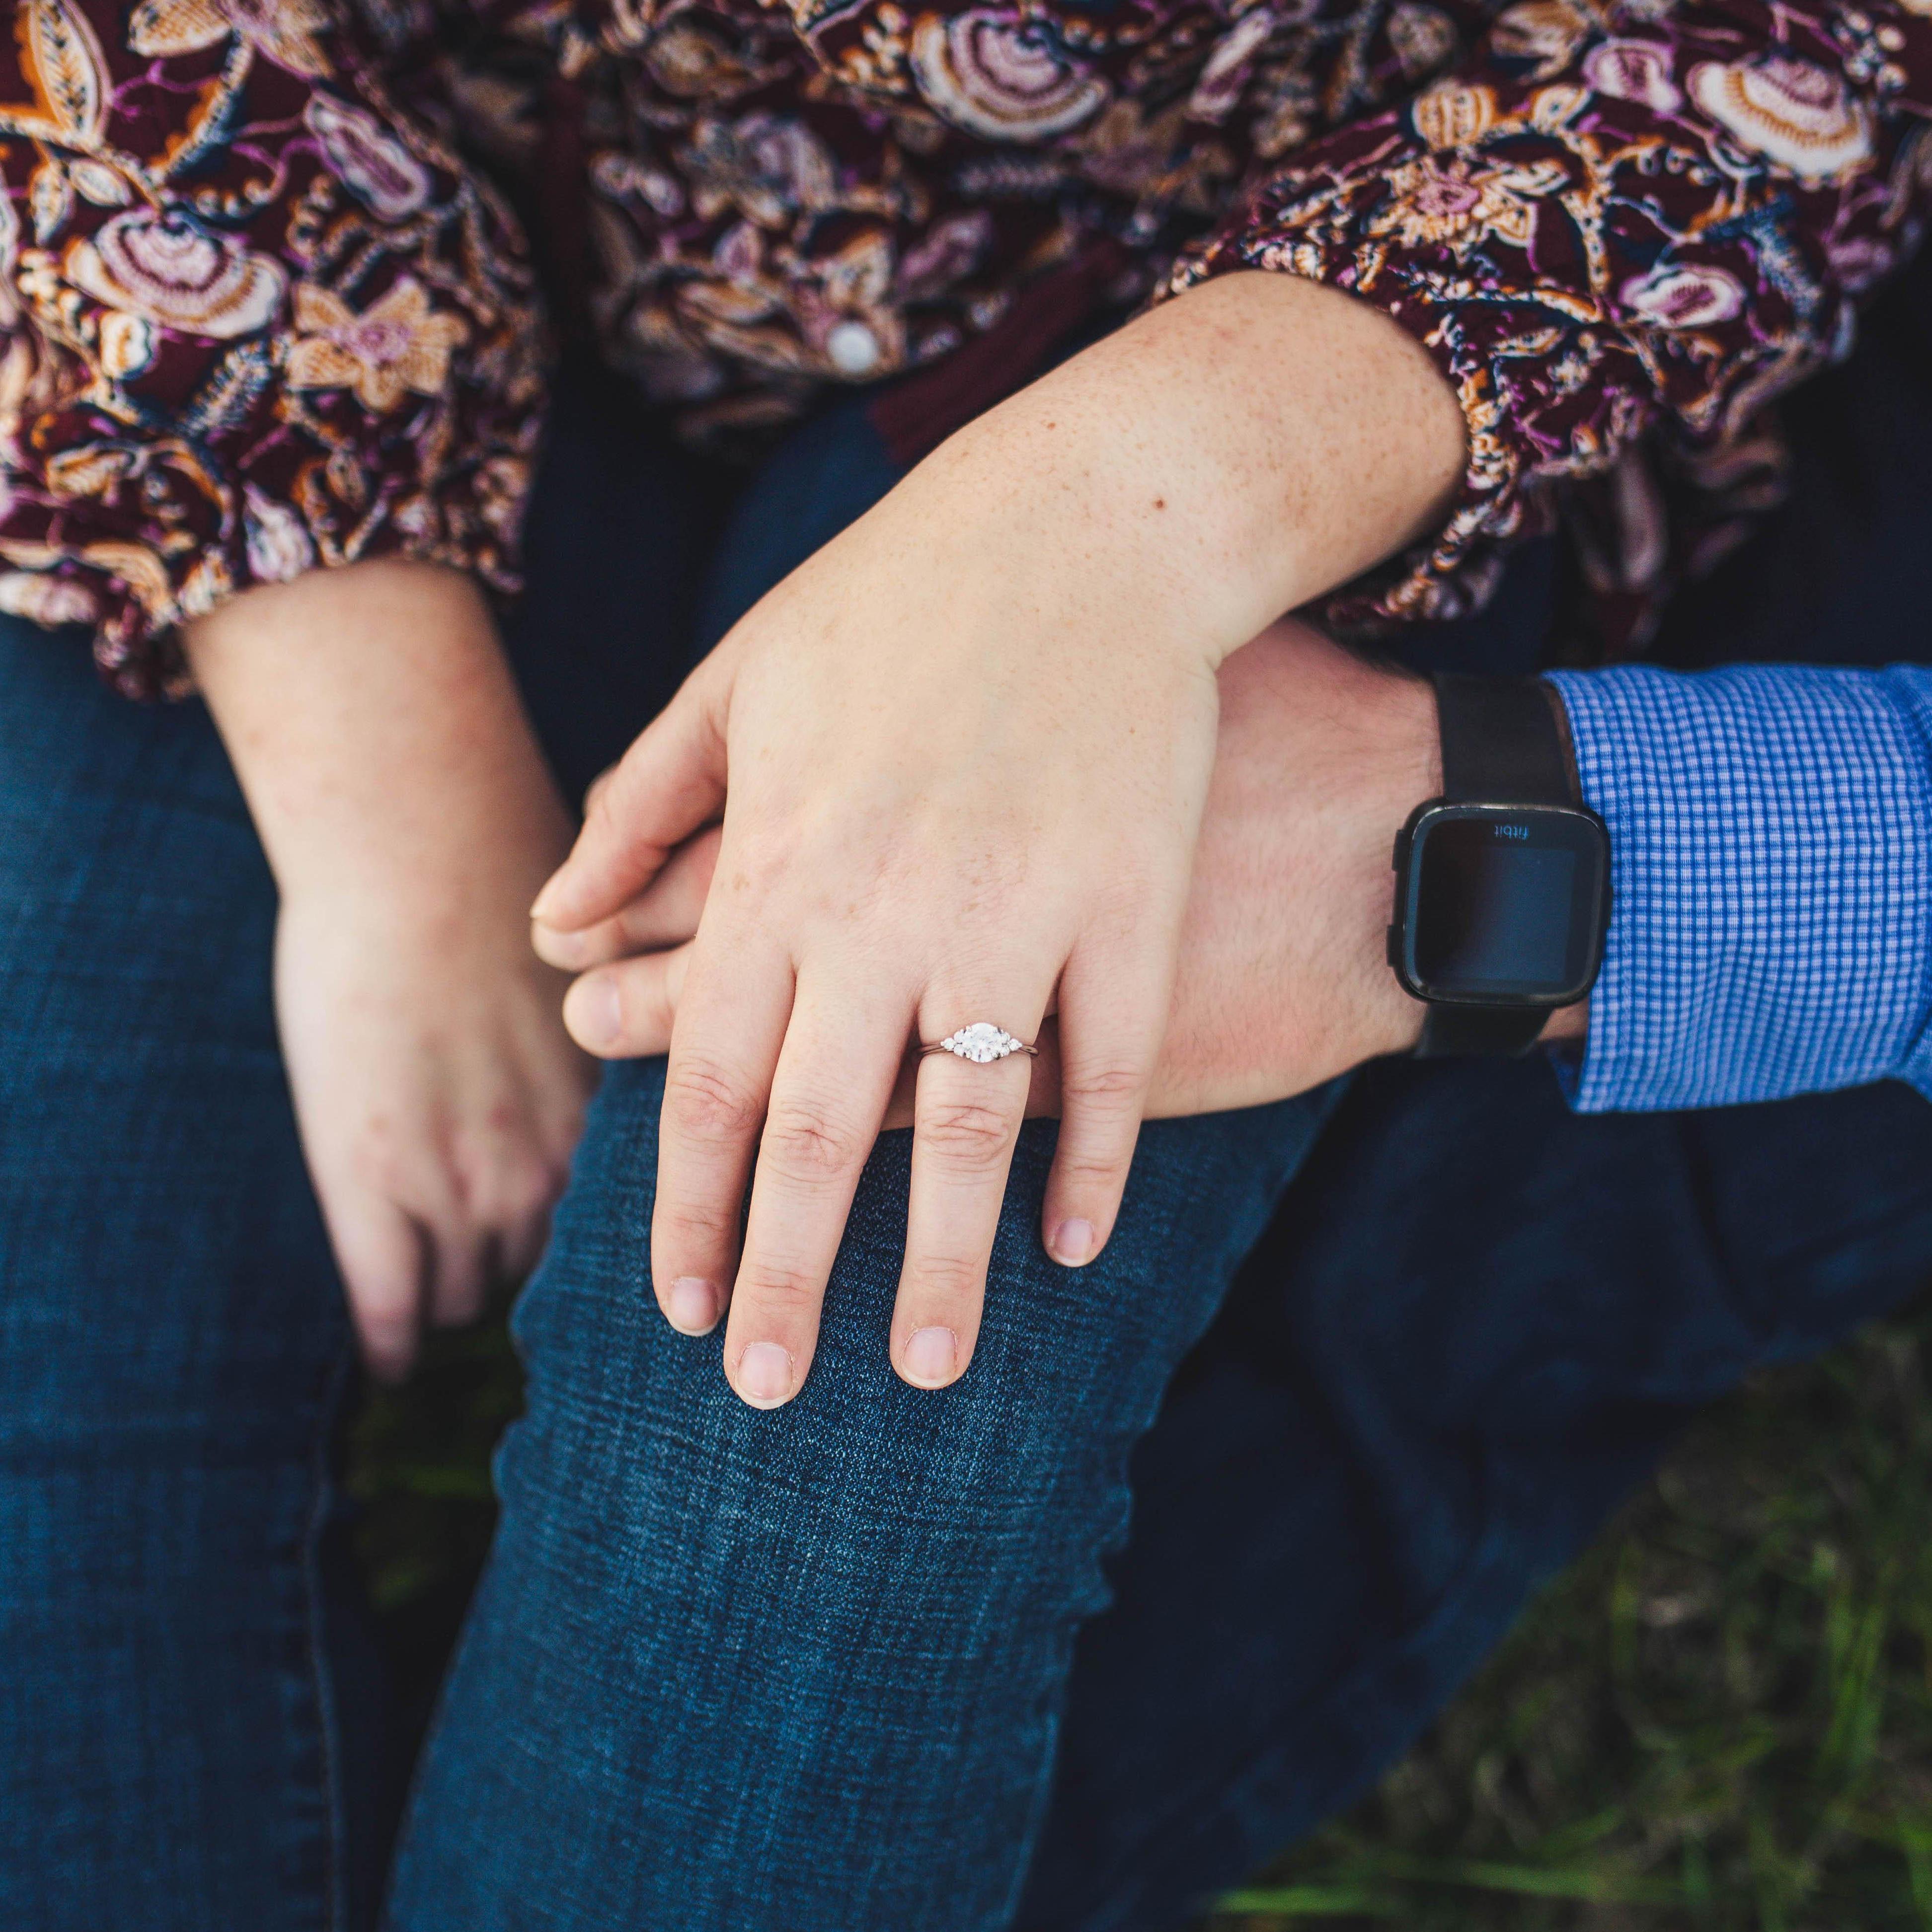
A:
(965, 747)
(439, 1103)
(963, 778)
(408, 817)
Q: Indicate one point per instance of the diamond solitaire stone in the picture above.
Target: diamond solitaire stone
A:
(981, 1042)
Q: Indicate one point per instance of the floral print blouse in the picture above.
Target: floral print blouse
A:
(264, 304)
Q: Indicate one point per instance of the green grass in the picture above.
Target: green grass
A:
(1721, 1717)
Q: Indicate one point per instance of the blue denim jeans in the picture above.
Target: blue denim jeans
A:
(1210, 1530)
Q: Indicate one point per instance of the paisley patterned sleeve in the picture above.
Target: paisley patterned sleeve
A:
(1608, 223)
(254, 319)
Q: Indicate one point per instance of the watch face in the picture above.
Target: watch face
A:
(1502, 903)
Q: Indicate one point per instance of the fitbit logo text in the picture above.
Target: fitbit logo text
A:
(1513, 831)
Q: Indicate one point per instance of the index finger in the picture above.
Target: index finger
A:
(665, 914)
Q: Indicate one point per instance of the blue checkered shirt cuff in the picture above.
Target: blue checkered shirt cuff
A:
(1770, 926)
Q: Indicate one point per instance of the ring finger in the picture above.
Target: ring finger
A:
(965, 1117)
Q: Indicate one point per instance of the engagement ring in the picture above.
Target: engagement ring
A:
(982, 1041)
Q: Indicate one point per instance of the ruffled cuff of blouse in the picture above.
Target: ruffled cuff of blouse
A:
(345, 365)
(342, 456)
(1371, 212)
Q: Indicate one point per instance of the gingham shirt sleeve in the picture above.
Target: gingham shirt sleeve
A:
(1771, 928)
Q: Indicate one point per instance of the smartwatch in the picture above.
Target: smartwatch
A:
(1502, 883)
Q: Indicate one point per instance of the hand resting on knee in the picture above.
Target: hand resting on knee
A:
(960, 758)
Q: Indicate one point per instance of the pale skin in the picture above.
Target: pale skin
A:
(408, 817)
(961, 759)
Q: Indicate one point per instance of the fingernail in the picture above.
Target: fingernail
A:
(694, 1305)
(764, 1375)
(600, 1011)
(932, 1357)
(1072, 1244)
(545, 898)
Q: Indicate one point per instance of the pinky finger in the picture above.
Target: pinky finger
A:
(624, 1011)
(1111, 1025)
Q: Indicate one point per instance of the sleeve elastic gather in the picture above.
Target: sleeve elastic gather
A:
(1608, 223)
(258, 320)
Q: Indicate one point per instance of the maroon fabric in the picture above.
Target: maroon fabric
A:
(262, 310)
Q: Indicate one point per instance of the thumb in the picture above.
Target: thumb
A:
(669, 783)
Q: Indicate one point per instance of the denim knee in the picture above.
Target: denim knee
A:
(1070, 1365)
(802, 1666)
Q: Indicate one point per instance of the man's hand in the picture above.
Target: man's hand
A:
(1283, 981)
(408, 818)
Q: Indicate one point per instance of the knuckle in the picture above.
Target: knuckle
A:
(695, 1227)
(810, 1143)
(777, 1286)
(1106, 1086)
(945, 1278)
(967, 1134)
(707, 1101)
(384, 1163)
(1086, 1174)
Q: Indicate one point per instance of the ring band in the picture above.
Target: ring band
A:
(980, 1043)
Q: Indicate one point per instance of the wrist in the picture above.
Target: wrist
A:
(1348, 748)
(379, 738)
(1502, 880)
(1399, 711)
(1232, 454)
(1402, 716)
(1567, 1023)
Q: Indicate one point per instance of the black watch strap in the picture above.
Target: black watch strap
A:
(1500, 746)
(1501, 743)
(1504, 1033)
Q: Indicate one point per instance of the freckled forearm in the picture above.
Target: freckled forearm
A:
(1251, 444)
